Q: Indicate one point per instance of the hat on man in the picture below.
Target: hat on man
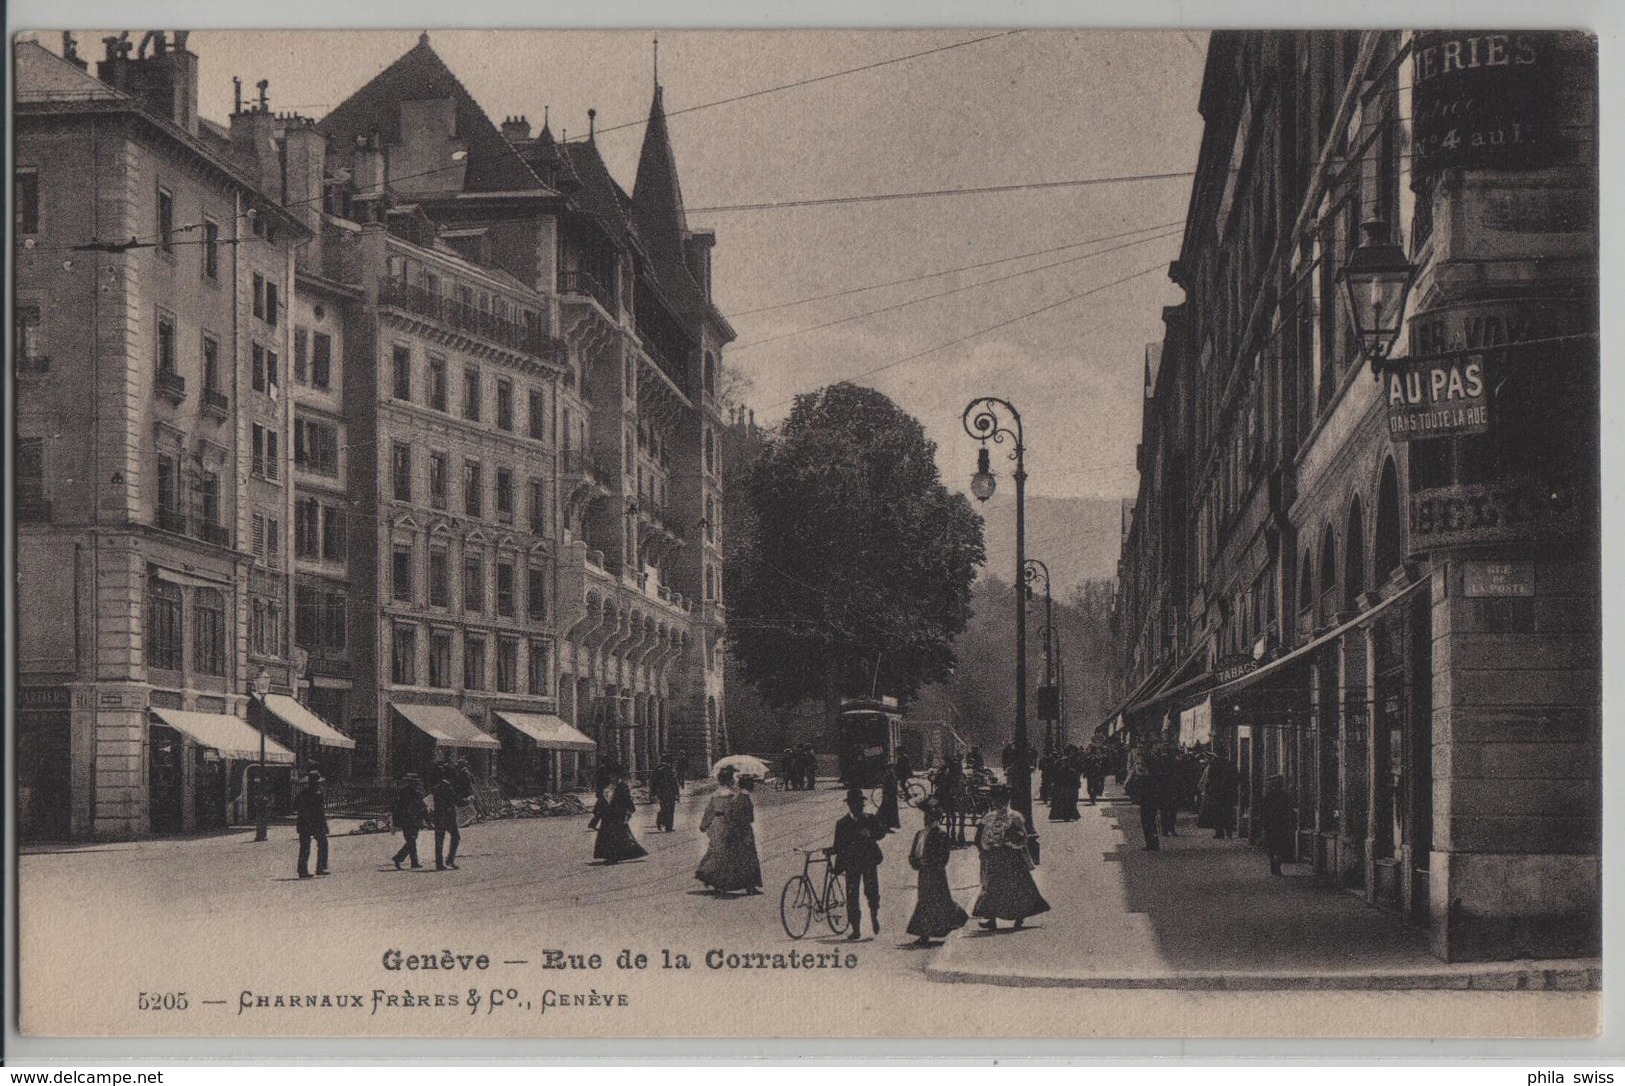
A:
(855, 797)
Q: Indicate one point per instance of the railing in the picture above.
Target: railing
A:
(532, 339)
(587, 463)
(580, 282)
(215, 400)
(218, 534)
(171, 385)
(171, 520)
(33, 510)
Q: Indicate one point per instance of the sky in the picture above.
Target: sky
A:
(1027, 107)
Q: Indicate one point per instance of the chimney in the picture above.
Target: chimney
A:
(368, 177)
(253, 139)
(304, 166)
(165, 82)
(70, 52)
(516, 128)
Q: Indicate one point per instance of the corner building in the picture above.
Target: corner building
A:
(1383, 581)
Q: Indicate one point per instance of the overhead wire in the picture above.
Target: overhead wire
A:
(945, 293)
(977, 190)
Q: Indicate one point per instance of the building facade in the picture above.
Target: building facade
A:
(411, 429)
(1381, 579)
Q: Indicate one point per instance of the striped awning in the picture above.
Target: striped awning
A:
(549, 731)
(446, 726)
(301, 719)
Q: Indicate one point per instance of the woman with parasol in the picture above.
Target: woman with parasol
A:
(730, 861)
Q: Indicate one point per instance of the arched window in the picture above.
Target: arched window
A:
(1389, 549)
(710, 452)
(710, 373)
(1354, 556)
(1306, 582)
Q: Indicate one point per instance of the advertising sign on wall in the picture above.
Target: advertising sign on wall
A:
(1443, 398)
(1503, 511)
(1482, 99)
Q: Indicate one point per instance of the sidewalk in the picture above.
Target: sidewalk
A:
(1206, 914)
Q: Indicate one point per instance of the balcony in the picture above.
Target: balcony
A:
(531, 339)
(586, 464)
(215, 403)
(170, 520)
(171, 386)
(218, 534)
(584, 283)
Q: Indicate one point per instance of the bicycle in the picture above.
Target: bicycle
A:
(910, 793)
(800, 901)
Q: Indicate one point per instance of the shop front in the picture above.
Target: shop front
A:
(540, 752)
(425, 735)
(201, 766)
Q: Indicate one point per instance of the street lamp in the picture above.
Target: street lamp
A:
(984, 420)
(1376, 281)
(262, 828)
(1031, 569)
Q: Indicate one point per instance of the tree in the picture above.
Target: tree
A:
(854, 563)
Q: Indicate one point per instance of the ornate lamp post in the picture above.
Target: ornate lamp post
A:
(262, 687)
(992, 419)
(1376, 281)
(1031, 570)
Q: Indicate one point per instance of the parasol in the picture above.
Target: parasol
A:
(744, 765)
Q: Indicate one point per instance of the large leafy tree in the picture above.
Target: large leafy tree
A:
(855, 565)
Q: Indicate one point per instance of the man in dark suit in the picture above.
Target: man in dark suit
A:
(310, 811)
(663, 783)
(445, 819)
(409, 814)
(856, 854)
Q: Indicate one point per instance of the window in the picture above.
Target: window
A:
(504, 404)
(538, 414)
(710, 453)
(473, 583)
(333, 534)
(538, 506)
(271, 304)
(208, 632)
(258, 540)
(404, 662)
(266, 453)
(440, 658)
(541, 673)
(710, 519)
(265, 370)
(437, 383)
(163, 633)
(710, 582)
(211, 365)
(166, 221)
(166, 345)
(403, 374)
(307, 529)
(437, 480)
(301, 355)
(169, 495)
(264, 628)
(321, 360)
(506, 606)
(401, 471)
(273, 541)
(259, 294)
(505, 494)
(316, 446)
(26, 195)
(28, 339)
(473, 489)
(30, 479)
(536, 592)
(471, 395)
(473, 663)
(401, 573)
(439, 577)
(507, 665)
(208, 495)
(211, 249)
(320, 616)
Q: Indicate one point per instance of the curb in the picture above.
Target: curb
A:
(1566, 978)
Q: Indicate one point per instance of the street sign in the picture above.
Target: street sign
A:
(1497, 579)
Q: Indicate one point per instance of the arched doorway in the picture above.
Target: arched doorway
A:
(1389, 547)
(1354, 556)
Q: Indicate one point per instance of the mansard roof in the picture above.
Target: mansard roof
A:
(493, 164)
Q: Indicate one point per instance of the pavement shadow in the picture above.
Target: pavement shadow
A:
(1213, 905)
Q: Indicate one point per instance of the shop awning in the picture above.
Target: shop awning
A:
(230, 735)
(1196, 723)
(1168, 689)
(549, 731)
(301, 719)
(1301, 651)
(446, 726)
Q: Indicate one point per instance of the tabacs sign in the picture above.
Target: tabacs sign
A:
(1437, 399)
(1232, 667)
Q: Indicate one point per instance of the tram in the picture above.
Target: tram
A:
(868, 733)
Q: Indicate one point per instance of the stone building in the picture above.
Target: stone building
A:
(1380, 577)
(418, 413)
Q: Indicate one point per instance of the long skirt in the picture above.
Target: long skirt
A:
(1063, 804)
(887, 812)
(1008, 889)
(616, 843)
(731, 863)
(936, 913)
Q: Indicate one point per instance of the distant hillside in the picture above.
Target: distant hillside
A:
(1078, 538)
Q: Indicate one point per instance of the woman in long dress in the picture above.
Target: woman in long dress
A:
(936, 913)
(887, 813)
(730, 861)
(1064, 785)
(615, 842)
(1008, 889)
